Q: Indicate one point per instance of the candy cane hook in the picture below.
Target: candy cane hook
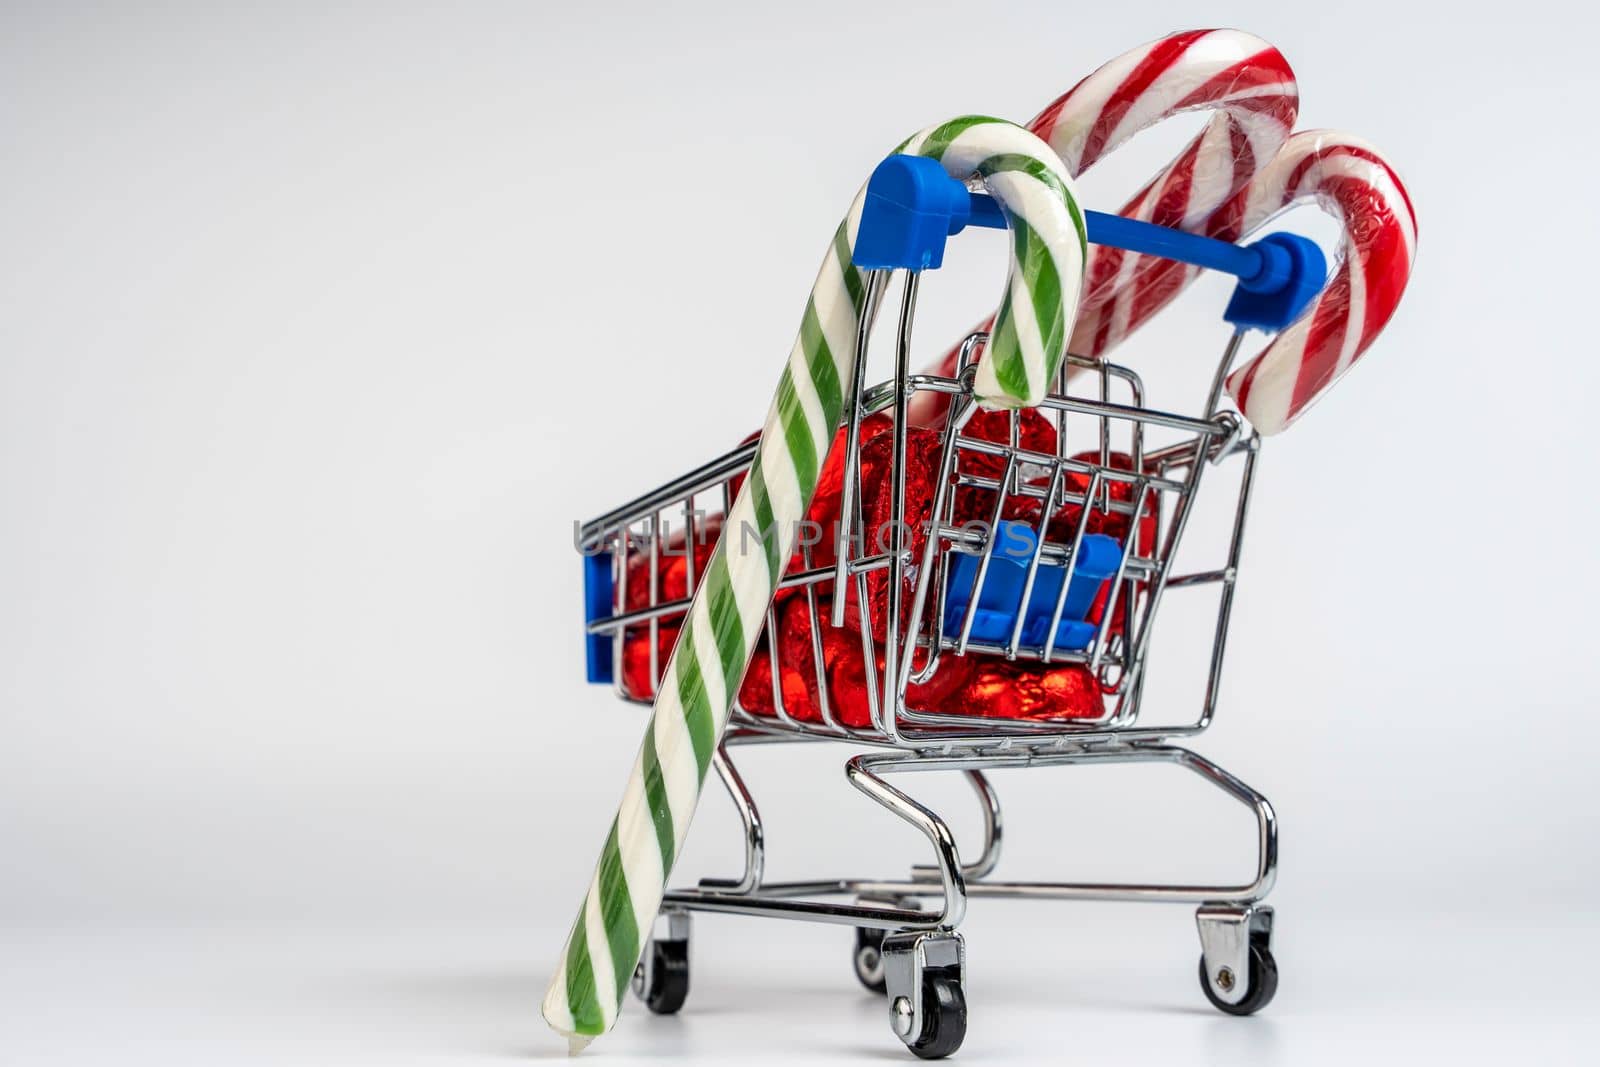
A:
(1350, 180)
(1242, 78)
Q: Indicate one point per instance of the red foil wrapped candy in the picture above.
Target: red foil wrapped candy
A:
(637, 680)
(978, 686)
(998, 689)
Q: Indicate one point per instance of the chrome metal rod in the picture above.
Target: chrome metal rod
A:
(1220, 379)
(1219, 636)
(862, 773)
(704, 477)
(855, 405)
(750, 817)
(898, 547)
(809, 910)
(986, 862)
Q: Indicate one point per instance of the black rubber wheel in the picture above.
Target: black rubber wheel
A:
(1263, 982)
(868, 959)
(669, 977)
(944, 1009)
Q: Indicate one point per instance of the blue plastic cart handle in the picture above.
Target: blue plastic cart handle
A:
(912, 206)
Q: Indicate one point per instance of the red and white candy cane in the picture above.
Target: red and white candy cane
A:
(1350, 180)
(1238, 75)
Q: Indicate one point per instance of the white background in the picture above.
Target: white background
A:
(318, 329)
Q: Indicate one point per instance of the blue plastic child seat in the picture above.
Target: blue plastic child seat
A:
(1010, 554)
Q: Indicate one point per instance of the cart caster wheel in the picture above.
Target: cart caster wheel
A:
(662, 978)
(944, 1025)
(1263, 982)
(868, 960)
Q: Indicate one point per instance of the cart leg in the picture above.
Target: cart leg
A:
(925, 970)
(662, 978)
(862, 771)
(926, 976)
(1237, 969)
(989, 858)
(755, 842)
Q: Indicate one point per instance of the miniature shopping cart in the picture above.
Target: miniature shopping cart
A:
(931, 577)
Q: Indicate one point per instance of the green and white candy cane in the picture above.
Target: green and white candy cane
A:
(1035, 319)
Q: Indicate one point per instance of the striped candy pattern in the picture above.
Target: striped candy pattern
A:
(1048, 251)
(1351, 181)
(1242, 78)
(1251, 88)
(1049, 248)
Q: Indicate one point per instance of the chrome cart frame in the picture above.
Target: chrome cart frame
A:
(1146, 465)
